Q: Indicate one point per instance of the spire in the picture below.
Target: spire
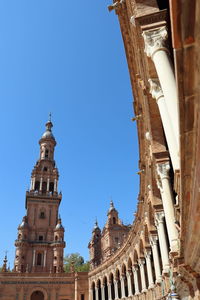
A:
(48, 132)
(111, 206)
(4, 267)
(96, 226)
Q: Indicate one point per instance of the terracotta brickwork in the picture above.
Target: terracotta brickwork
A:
(159, 259)
(104, 244)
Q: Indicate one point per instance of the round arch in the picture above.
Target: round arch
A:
(38, 293)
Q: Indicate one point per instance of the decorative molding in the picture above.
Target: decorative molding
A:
(155, 88)
(163, 170)
(153, 240)
(155, 40)
(157, 17)
(159, 218)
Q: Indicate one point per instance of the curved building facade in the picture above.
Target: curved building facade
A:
(160, 255)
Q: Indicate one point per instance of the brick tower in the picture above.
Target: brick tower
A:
(40, 241)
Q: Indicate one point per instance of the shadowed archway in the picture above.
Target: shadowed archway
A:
(37, 295)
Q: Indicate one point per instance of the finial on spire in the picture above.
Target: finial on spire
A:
(111, 203)
(96, 224)
(50, 116)
(4, 267)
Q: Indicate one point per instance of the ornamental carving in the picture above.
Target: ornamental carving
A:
(155, 88)
(155, 40)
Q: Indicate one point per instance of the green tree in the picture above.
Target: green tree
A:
(75, 261)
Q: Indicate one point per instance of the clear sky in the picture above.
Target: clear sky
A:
(66, 57)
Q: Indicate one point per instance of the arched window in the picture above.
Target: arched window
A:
(40, 237)
(56, 238)
(39, 259)
(37, 186)
(114, 220)
(42, 215)
(46, 153)
(44, 187)
(45, 169)
(51, 187)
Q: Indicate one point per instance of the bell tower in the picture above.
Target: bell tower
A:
(40, 241)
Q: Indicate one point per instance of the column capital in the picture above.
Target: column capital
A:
(155, 40)
(135, 268)
(153, 239)
(141, 261)
(147, 253)
(155, 88)
(128, 273)
(163, 170)
(159, 217)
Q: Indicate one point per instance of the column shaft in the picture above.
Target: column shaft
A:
(162, 241)
(154, 245)
(130, 289)
(122, 287)
(103, 292)
(136, 282)
(156, 48)
(156, 91)
(142, 272)
(149, 269)
(167, 199)
(116, 289)
(109, 292)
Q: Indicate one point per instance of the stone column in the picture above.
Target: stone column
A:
(157, 93)
(167, 199)
(149, 268)
(159, 222)
(142, 272)
(135, 276)
(41, 184)
(33, 183)
(154, 246)
(116, 289)
(48, 181)
(103, 291)
(33, 258)
(130, 289)
(96, 293)
(55, 185)
(109, 292)
(45, 258)
(122, 286)
(91, 294)
(156, 48)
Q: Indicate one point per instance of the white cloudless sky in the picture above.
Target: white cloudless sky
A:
(67, 58)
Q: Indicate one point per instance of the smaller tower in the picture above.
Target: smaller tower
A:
(113, 233)
(95, 246)
(58, 246)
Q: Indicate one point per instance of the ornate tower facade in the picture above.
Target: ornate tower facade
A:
(40, 241)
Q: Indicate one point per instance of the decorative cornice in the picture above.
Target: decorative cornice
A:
(155, 40)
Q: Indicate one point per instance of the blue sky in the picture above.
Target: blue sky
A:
(67, 58)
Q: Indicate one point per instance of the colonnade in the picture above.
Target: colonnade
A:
(141, 272)
(164, 90)
(44, 185)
